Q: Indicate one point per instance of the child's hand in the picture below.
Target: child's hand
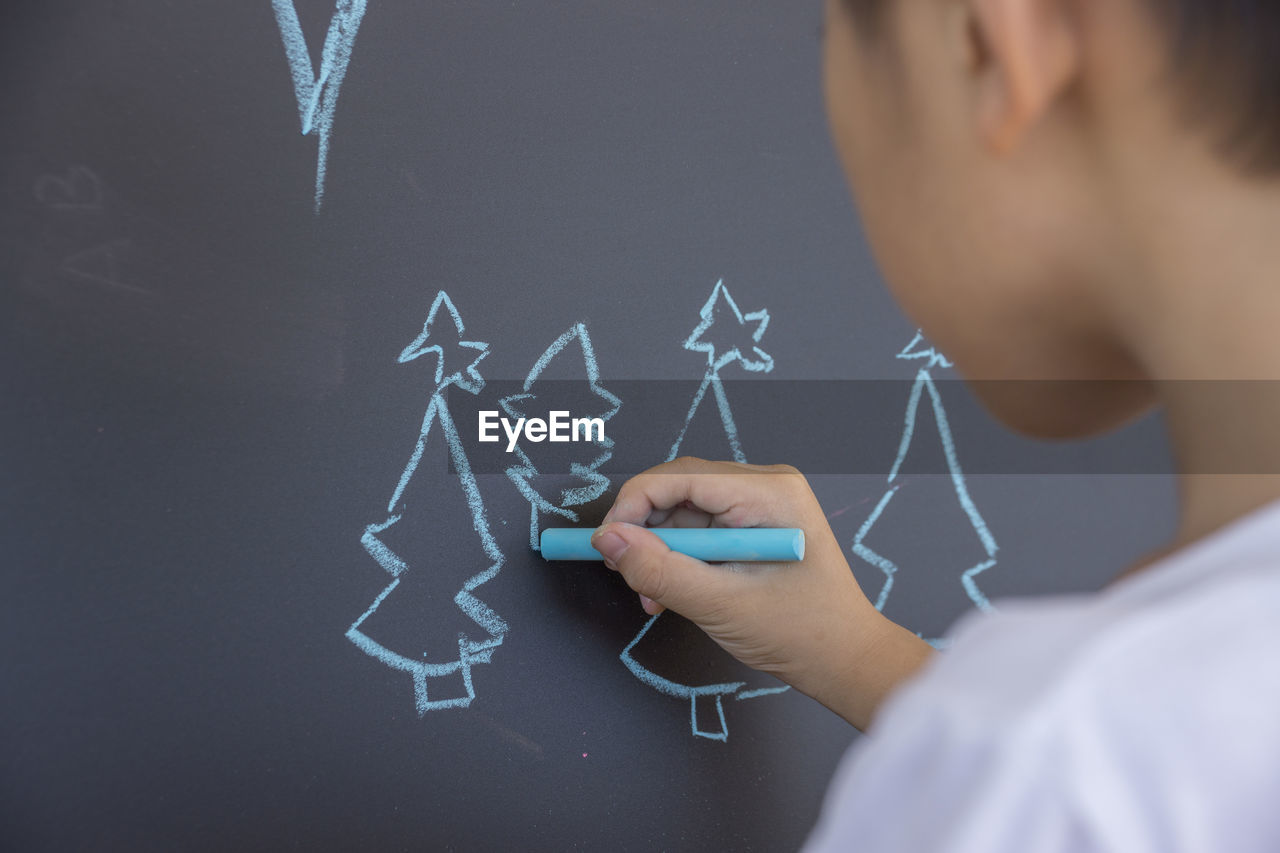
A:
(806, 622)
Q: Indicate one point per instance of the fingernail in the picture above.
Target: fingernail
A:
(611, 545)
(648, 604)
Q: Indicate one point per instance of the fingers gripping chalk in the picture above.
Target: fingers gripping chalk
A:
(745, 544)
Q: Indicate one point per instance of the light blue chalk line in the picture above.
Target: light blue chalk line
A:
(596, 483)
(971, 586)
(935, 358)
(726, 420)
(953, 464)
(723, 734)
(521, 473)
(419, 446)
(469, 604)
(318, 96)
(683, 691)
(418, 670)
(697, 398)
(880, 562)
(470, 651)
(519, 476)
(908, 427)
(386, 558)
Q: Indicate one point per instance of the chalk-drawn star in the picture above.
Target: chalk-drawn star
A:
(919, 348)
(736, 336)
(468, 379)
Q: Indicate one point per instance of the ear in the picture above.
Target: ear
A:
(1023, 55)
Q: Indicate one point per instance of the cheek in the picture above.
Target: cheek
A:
(903, 219)
(854, 106)
(936, 264)
(895, 197)
(900, 184)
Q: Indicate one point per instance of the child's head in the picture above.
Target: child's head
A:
(1013, 159)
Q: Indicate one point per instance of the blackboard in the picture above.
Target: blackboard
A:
(217, 370)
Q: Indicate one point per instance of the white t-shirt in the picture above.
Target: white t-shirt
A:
(1141, 719)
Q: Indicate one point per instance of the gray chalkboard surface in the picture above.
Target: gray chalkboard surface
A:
(261, 261)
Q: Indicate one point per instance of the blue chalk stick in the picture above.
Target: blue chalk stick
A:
(754, 544)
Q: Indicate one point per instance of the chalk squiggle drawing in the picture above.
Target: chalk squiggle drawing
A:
(101, 265)
(525, 475)
(318, 95)
(79, 190)
(723, 345)
(918, 350)
(471, 651)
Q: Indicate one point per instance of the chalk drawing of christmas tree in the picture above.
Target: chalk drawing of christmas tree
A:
(703, 674)
(891, 502)
(447, 630)
(544, 489)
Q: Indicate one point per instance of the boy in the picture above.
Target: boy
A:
(1055, 190)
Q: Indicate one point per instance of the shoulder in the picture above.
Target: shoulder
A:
(1151, 678)
(1119, 653)
(1131, 721)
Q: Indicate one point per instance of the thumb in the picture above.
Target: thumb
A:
(651, 568)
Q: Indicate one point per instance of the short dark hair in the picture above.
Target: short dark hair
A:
(1224, 54)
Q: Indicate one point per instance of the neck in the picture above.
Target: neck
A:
(1224, 435)
(1204, 325)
